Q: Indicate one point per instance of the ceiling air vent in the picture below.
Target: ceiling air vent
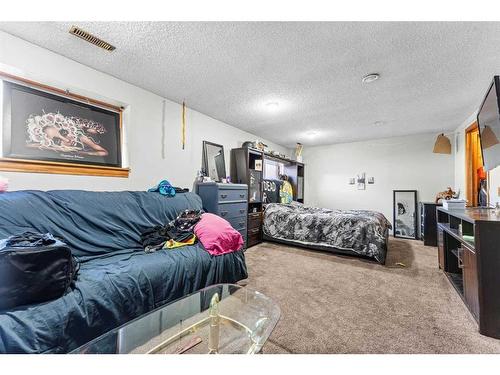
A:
(91, 39)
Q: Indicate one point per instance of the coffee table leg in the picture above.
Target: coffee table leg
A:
(213, 336)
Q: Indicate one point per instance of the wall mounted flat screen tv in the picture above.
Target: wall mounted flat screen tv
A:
(488, 119)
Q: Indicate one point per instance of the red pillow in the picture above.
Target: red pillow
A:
(217, 235)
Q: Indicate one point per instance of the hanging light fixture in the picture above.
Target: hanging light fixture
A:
(488, 138)
(442, 145)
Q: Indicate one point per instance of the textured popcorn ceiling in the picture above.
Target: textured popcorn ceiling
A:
(433, 75)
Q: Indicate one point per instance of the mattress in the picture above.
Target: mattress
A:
(357, 232)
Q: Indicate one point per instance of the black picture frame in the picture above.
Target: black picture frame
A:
(220, 163)
(403, 210)
(44, 126)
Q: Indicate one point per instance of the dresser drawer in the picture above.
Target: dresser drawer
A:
(230, 210)
(255, 220)
(254, 237)
(227, 195)
(238, 223)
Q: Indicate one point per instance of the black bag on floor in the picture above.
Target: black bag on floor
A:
(34, 268)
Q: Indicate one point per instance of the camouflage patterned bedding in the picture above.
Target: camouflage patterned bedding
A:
(359, 232)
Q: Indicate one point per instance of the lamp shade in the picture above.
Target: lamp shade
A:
(488, 138)
(442, 145)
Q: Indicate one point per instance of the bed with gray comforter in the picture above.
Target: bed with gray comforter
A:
(354, 232)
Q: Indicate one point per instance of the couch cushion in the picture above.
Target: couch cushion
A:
(91, 223)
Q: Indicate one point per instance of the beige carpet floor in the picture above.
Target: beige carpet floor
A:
(335, 304)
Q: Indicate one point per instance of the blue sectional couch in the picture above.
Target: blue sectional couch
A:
(117, 281)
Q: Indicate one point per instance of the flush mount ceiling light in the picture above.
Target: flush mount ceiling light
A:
(272, 106)
(369, 78)
(378, 123)
(311, 134)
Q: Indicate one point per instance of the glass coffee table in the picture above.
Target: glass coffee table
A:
(222, 318)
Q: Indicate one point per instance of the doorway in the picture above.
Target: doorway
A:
(474, 172)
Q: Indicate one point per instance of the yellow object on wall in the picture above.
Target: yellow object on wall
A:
(183, 140)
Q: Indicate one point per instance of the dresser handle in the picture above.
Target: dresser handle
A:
(223, 213)
(242, 195)
(242, 211)
(223, 195)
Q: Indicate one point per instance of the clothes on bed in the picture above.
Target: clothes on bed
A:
(360, 231)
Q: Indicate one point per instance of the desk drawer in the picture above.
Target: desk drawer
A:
(230, 210)
(232, 195)
(238, 223)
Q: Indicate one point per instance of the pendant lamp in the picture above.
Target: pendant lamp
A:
(442, 145)
(488, 138)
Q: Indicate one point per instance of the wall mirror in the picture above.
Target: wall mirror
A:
(214, 165)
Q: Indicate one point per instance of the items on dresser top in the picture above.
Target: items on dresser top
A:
(228, 201)
(213, 162)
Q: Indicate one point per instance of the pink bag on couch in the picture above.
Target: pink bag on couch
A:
(217, 235)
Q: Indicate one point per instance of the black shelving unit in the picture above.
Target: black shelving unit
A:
(428, 223)
(470, 258)
(243, 171)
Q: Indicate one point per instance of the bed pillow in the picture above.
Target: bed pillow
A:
(217, 235)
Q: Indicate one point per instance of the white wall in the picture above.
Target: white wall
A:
(405, 163)
(142, 124)
(494, 186)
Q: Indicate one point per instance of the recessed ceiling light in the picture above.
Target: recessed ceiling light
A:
(370, 77)
(378, 123)
(272, 106)
(311, 133)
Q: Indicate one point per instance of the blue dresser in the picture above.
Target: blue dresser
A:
(229, 201)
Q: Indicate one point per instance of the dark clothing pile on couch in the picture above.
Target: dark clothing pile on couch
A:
(179, 232)
(117, 280)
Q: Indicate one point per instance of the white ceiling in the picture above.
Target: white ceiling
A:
(433, 75)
